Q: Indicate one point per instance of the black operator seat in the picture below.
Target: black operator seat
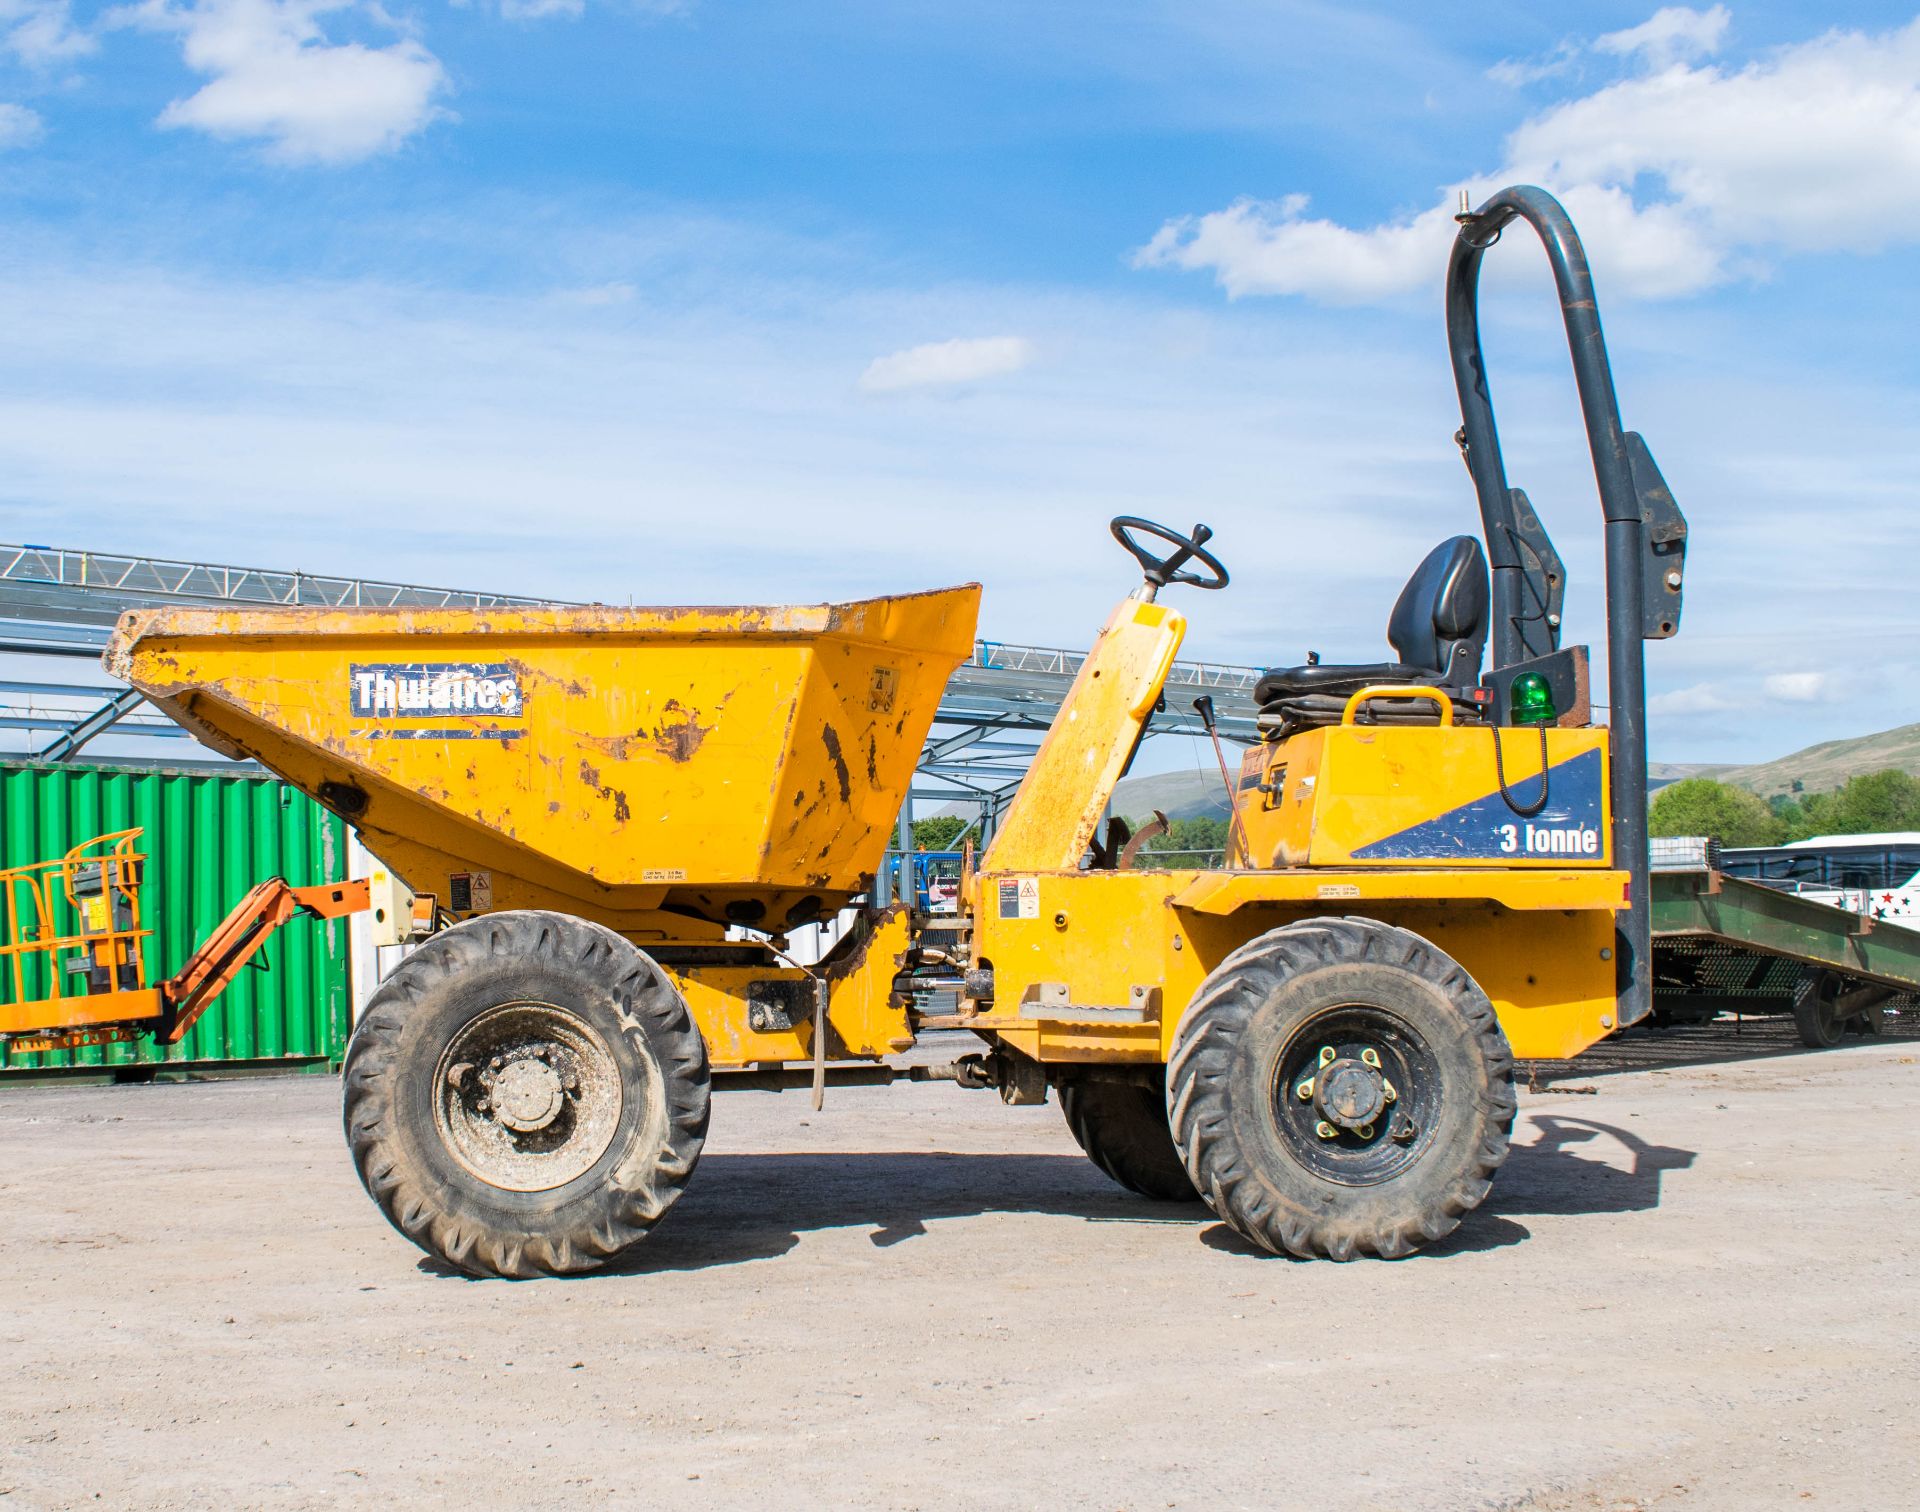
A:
(1438, 629)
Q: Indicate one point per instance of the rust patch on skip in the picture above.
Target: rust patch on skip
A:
(831, 738)
(679, 734)
(873, 760)
(590, 775)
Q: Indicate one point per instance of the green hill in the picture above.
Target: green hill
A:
(1821, 768)
(1178, 795)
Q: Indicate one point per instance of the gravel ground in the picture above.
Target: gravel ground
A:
(1693, 1287)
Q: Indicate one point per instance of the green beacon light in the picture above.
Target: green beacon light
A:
(1531, 701)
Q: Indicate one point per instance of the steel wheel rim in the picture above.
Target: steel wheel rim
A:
(527, 1096)
(1382, 1147)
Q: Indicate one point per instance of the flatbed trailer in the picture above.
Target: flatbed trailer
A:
(1725, 944)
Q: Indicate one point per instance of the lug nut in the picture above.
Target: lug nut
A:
(1326, 1130)
(1371, 1057)
(1365, 1131)
(1387, 1092)
(1305, 1090)
(1326, 1055)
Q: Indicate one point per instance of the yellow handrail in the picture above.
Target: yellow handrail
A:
(46, 915)
(1396, 690)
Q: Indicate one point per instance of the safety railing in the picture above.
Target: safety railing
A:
(75, 916)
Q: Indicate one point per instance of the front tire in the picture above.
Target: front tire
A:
(526, 1095)
(1341, 1087)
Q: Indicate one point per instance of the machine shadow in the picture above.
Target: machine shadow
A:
(755, 1207)
(1549, 1176)
(1545, 1177)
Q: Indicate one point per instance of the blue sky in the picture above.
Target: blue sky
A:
(709, 301)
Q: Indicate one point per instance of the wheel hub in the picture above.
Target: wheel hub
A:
(1349, 1094)
(527, 1095)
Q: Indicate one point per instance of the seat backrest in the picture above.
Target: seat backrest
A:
(1440, 618)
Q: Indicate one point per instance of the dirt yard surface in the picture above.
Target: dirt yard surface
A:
(1695, 1287)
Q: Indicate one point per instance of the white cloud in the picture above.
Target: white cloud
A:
(19, 126)
(538, 10)
(275, 77)
(1519, 72)
(1701, 698)
(1274, 248)
(41, 32)
(1798, 687)
(1669, 35)
(941, 364)
(1680, 178)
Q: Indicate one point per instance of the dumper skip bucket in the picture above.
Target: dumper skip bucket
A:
(737, 764)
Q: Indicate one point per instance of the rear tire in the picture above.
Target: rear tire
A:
(1408, 1087)
(526, 1095)
(1123, 1128)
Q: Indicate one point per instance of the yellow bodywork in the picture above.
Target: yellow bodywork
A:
(652, 769)
(1098, 965)
(672, 772)
(1086, 751)
(1327, 797)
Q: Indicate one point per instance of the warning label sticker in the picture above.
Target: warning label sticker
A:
(470, 892)
(1019, 897)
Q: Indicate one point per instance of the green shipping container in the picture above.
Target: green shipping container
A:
(208, 840)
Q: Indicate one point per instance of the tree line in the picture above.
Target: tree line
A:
(1869, 803)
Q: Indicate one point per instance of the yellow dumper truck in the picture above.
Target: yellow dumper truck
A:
(1436, 863)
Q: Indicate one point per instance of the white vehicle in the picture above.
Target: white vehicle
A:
(1874, 875)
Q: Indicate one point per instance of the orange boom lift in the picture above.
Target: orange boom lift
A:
(80, 917)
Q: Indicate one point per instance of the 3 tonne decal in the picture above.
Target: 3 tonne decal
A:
(1569, 826)
(462, 700)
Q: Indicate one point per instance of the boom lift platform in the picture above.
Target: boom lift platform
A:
(1431, 869)
(76, 971)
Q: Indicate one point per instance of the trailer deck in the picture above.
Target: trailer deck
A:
(1726, 944)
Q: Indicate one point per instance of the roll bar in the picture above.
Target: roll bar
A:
(1645, 533)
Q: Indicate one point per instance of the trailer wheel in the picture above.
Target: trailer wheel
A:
(1816, 1013)
(526, 1095)
(1123, 1128)
(1341, 1087)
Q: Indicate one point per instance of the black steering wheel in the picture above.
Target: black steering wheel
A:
(1161, 571)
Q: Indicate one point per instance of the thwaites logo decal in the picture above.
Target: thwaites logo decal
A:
(1568, 827)
(455, 700)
